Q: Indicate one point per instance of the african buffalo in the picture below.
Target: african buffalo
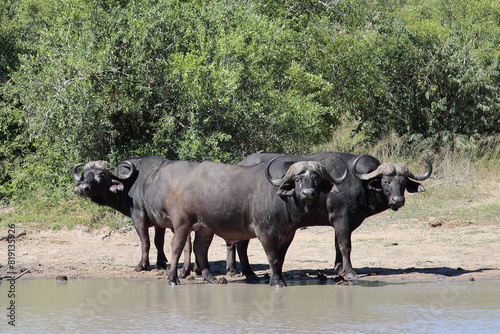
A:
(370, 188)
(241, 202)
(136, 187)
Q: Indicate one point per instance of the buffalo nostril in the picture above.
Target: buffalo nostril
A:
(308, 193)
(399, 200)
(82, 188)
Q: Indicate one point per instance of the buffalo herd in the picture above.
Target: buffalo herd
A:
(265, 196)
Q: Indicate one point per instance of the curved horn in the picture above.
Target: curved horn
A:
(123, 176)
(76, 175)
(384, 168)
(274, 182)
(424, 176)
(324, 173)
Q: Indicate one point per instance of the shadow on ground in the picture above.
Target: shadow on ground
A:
(326, 274)
(444, 271)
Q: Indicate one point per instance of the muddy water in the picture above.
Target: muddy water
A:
(112, 306)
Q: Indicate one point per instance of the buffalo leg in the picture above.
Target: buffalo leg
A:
(203, 239)
(161, 260)
(142, 230)
(242, 247)
(231, 259)
(178, 243)
(186, 268)
(276, 257)
(343, 239)
(338, 257)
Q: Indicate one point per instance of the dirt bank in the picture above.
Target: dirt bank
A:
(384, 248)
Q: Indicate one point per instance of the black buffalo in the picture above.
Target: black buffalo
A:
(240, 203)
(136, 187)
(370, 188)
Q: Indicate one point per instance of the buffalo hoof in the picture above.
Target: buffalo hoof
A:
(196, 270)
(351, 276)
(185, 272)
(221, 280)
(161, 265)
(141, 267)
(174, 282)
(341, 281)
(252, 279)
(211, 280)
(234, 273)
(279, 283)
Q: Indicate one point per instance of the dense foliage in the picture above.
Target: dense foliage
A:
(104, 79)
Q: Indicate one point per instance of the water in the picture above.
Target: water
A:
(112, 306)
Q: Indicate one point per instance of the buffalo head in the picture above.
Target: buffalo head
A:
(392, 180)
(100, 177)
(305, 179)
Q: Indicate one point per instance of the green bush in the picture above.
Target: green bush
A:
(86, 80)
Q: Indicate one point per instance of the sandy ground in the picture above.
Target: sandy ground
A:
(384, 248)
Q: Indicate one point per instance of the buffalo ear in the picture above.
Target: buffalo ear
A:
(375, 185)
(116, 186)
(414, 187)
(328, 186)
(286, 190)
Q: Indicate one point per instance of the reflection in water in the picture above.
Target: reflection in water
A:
(303, 307)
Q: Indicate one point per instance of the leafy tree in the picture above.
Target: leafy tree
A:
(440, 65)
(105, 79)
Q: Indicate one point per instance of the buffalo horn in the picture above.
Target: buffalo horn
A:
(324, 174)
(424, 176)
(76, 175)
(290, 173)
(274, 182)
(296, 167)
(388, 168)
(381, 169)
(114, 171)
